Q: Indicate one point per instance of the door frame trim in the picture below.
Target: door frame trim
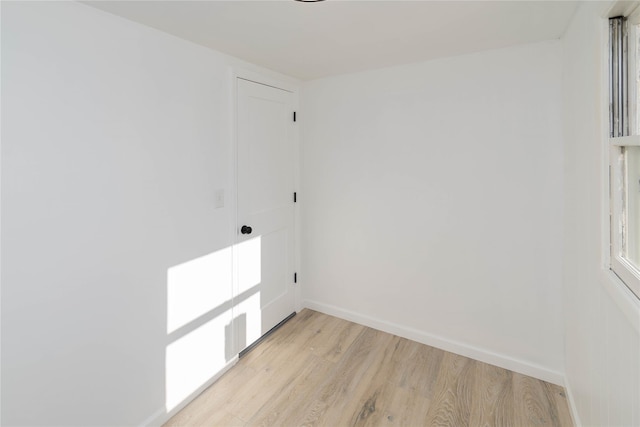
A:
(278, 82)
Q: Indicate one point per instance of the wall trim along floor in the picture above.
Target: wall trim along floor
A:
(572, 405)
(483, 355)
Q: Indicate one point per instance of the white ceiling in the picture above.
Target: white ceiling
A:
(313, 40)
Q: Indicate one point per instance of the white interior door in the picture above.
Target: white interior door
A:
(265, 231)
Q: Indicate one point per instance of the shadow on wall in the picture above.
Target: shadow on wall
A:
(207, 325)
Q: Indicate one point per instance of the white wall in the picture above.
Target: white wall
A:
(115, 138)
(432, 206)
(602, 330)
(432, 203)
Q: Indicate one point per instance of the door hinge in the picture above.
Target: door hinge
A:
(295, 277)
(294, 116)
(295, 197)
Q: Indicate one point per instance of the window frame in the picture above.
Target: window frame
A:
(621, 124)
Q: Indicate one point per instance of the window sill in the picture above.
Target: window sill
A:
(622, 296)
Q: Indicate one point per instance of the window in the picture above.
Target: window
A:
(624, 146)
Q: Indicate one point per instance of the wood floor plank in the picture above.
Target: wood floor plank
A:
(533, 406)
(297, 336)
(318, 370)
(276, 361)
(342, 336)
(506, 404)
(358, 396)
(421, 365)
(370, 400)
(295, 392)
(406, 408)
(207, 418)
(492, 398)
(451, 403)
(559, 397)
(251, 396)
(337, 390)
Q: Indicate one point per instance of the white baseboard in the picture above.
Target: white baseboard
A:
(161, 416)
(572, 405)
(157, 419)
(483, 355)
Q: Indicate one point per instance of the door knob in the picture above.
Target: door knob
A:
(245, 229)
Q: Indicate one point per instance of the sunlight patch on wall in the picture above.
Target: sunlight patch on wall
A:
(198, 286)
(194, 358)
(250, 310)
(206, 327)
(249, 256)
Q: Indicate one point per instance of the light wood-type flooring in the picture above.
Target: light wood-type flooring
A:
(318, 370)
